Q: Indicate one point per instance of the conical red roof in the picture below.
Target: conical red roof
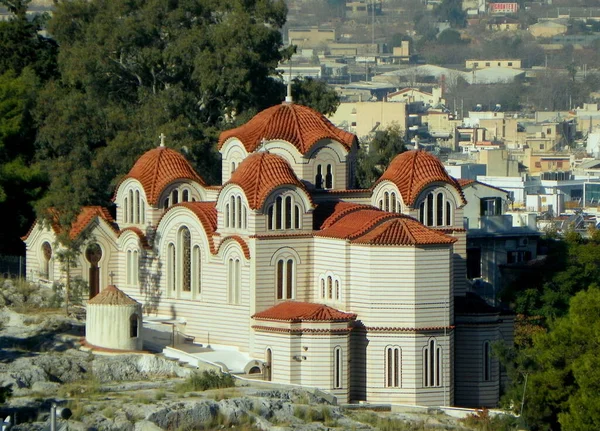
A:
(411, 171)
(112, 295)
(158, 168)
(297, 124)
(260, 173)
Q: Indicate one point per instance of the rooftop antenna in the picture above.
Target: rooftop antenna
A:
(162, 139)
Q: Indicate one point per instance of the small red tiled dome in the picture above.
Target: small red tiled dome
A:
(260, 173)
(297, 124)
(292, 311)
(411, 171)
(159, 167)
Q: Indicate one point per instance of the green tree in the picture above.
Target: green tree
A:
(131, 70)
(315, 94)
(22, 45)
(564, 375)
(375, 156)
(452, 12)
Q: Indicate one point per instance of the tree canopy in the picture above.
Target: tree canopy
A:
(130, 70)
(375, 156)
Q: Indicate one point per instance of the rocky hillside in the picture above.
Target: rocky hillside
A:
(41, 362)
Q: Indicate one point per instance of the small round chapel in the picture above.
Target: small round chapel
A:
(114, 321)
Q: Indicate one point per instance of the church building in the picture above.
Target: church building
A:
(361, 293)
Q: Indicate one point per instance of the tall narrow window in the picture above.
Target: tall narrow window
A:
(429, 209)
(136, 268)
(278, 212)
(285, 275)
(337, 368)
(129, 267)
(240, 214)
(393, 202)
(319, 177)
(126, 210)
(171, 267)
(131, 204)
(175, 196)
(185, 196)
(234, 280)
(143, 211)
(270, 221)
(422, 212)
(337, 290)
(439, 210)
(448, 214)
(288, 212)
(432, 364)
(393, 367)
(296, 217)
(233, 212)
(197, 270)
(137, 206)
(487, 363)
(232, 167)
(329, 177)
(47, 253)
(226, 217)
(329, 287)
(322, 288)
(386, 199)
(185, 262)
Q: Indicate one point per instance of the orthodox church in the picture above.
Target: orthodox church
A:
(362, 293)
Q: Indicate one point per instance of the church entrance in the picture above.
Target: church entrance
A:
(93, 254)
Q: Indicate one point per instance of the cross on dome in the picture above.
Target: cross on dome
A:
(162, 139)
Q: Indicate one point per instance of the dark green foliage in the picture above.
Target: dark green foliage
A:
(22, 46)
(374, 158)
(131, 70)
(5, 393)
(316, 94)
(452, 12)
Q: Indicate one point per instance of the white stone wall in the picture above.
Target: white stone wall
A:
(109, 326)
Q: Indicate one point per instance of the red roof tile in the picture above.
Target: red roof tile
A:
(354, 224)
(240, 241)
(260, 173)
(158, 168)
(112, 295)
(464, 182)
(292, 311)
(297, 124)
(403, 231)
(85, 217)
(206, 212)
(141, 235)
(339, 210)
(411, 171)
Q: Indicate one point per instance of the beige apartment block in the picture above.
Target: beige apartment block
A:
(486, 64)
(363, 118)
(544, 161)
(503, 129)
(311, 37)
(499, 163)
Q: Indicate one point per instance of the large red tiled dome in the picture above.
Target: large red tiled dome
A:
(158, 168)
(260, 173)
(297, 124)
(411, 171)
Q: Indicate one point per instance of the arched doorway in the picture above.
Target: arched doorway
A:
(268, 367)
(93, 254)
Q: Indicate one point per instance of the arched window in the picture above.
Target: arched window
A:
(386, 199)
(329, 177)
(134, 326)
(131, 204)
(197, 270)
(185, 259)
(185, 195)
(47, 255)
(393, 202)
(432, 364)
(126, 210)
(137, 206)
(393, 367)
(132, 267)
(435, 210)
(319, 178)
(175, 197)
(227, 211)
(487, 361)
(285, 276)
(143, 211)
(323, 288)
(233, 212)
(268, 370)
(329, 287)
(338, 371)
(232, 167)
(239, 212)
(337, 290)
(284, 213)
(234, 275)
(171, 267)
